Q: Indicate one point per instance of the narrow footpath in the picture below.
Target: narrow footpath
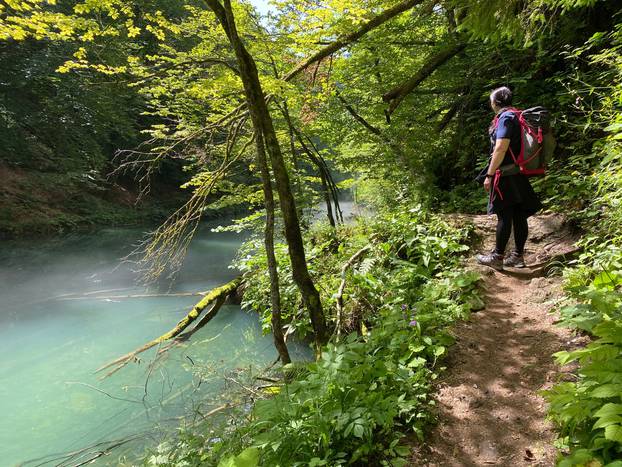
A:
(488, 407)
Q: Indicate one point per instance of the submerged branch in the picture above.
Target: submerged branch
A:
(217, 294)
(144, 295)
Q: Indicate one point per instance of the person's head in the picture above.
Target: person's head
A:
(500, 98)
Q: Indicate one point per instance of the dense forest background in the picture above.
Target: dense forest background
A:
(406, 103)
(60, 134)
(106, 103)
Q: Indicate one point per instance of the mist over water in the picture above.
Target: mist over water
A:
(50, 399)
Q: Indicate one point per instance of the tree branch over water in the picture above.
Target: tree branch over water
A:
(353, 36)
(216, 296)
(396, 95)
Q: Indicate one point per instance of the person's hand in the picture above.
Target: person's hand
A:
(487, 183)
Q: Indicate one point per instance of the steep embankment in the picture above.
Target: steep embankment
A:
(489, 408)
(35, 202)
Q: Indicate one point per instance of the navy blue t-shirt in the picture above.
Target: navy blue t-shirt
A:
(508, 127)
(512, 190)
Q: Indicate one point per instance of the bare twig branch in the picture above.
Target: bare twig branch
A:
(339, 295)
(396, 95)
(353, 36)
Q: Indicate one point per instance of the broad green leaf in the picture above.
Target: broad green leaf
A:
(607, 390)
(609, 409)
(607, 420)
(614, 433)
(247, 458)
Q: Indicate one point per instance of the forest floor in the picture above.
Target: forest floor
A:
(489, 410)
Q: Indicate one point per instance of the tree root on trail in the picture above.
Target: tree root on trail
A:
(216, 296)
(546, 266)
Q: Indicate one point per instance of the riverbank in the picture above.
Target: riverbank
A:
(35, 203)
(390, 285)
(57, 404)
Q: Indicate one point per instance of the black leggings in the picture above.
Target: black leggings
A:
(511, 215)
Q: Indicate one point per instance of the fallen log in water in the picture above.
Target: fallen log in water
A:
(216, 296)
(207, 317)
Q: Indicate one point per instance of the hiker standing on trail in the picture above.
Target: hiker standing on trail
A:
(511, 197)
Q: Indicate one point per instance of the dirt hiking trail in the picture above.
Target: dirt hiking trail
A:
(488, 408)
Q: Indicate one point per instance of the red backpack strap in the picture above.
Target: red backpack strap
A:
(517, 112)
(521, 122)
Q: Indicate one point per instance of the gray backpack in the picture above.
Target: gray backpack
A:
(537, 142)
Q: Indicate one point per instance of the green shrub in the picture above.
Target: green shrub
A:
(589, 410)
(407, 247)
(372, 387)
(357, 402)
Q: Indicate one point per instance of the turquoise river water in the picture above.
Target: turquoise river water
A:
(56, 329)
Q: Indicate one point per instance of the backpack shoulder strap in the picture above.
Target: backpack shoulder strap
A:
(510, 110)
(514, 110)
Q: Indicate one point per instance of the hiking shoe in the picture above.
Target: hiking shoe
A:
(514, 260)
(494, 260)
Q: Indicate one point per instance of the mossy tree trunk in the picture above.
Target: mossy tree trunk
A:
(275, 295)
(263, 124)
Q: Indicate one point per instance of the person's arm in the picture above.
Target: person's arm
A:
(498, 154)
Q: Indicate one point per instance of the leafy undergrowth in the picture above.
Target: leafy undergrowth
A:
(588, 411)
(371, 387)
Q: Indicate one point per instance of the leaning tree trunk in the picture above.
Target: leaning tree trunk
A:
(292, 147)
(324, 176)
(325, 186)
(326, 192)
(262, 122)
(275, 295)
